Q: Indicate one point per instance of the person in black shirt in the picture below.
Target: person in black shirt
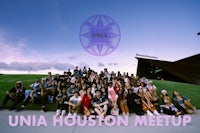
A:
(62, 103)
(134, 102)
(100, 104)
(40, 96)
(16, 94)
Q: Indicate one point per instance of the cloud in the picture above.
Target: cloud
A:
(23, 66)
(72, 57)
(34, 66)
(63, 66)
(16, 55)
(21, 43)
(113, 64)
(14, 51)
(101, 65)
(3, 65)
(18, 66)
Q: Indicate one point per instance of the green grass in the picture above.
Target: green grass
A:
(191, 91)
(8, 81)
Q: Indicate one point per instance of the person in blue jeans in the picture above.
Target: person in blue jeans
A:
(33, 87)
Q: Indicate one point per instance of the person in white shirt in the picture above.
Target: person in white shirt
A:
(94, 88)
(75, 103)
(151, 86)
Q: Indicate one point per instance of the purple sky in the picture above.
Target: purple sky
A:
(44, 34)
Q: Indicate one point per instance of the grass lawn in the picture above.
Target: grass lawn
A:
(8, 81)
(191, 91)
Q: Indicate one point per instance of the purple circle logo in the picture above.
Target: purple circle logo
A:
(100, 35)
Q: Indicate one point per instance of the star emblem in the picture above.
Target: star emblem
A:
(101, 35)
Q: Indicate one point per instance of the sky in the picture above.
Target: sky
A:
(37, 36)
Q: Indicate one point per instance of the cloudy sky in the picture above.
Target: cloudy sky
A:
(43, 35)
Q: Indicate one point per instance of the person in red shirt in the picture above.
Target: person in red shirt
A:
(86, 102)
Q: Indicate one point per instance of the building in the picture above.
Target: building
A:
(184, 70)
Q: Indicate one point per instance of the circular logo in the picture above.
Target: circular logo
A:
(100, 35)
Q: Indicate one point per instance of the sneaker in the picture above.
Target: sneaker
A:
(156, 112)
(20, 109)
(139, 113)
(11, 108)
(2, 107)
(63, 113)
(75, 115)
(178, 113)
(70, 114)
(195, 109)
(43, 109)
(58, 111)
(149, 113)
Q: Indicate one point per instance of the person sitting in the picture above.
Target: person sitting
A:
(104, 93)
(40, 96)
(86, 103)
(168, 107)
(134, 102)
(100, 104)
(183, 103)
(147, 106)
(49, 78)
(122, 102)
(75, 104)
(112, 96)
(33, 87)
(154, 98)
(16, 94)
(116, 85)
(143, 87)
(61, 86)
(61, 99)
(52, 91)
(71, 90)
(144, 80)
(93, 89)
(151, 86)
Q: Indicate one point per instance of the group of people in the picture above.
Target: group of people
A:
(86, 92)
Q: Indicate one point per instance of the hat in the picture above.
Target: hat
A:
(44, 79)
(19, 82)
(163, 91)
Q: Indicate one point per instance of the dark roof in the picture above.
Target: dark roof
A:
(187, 69)
(159, 63)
